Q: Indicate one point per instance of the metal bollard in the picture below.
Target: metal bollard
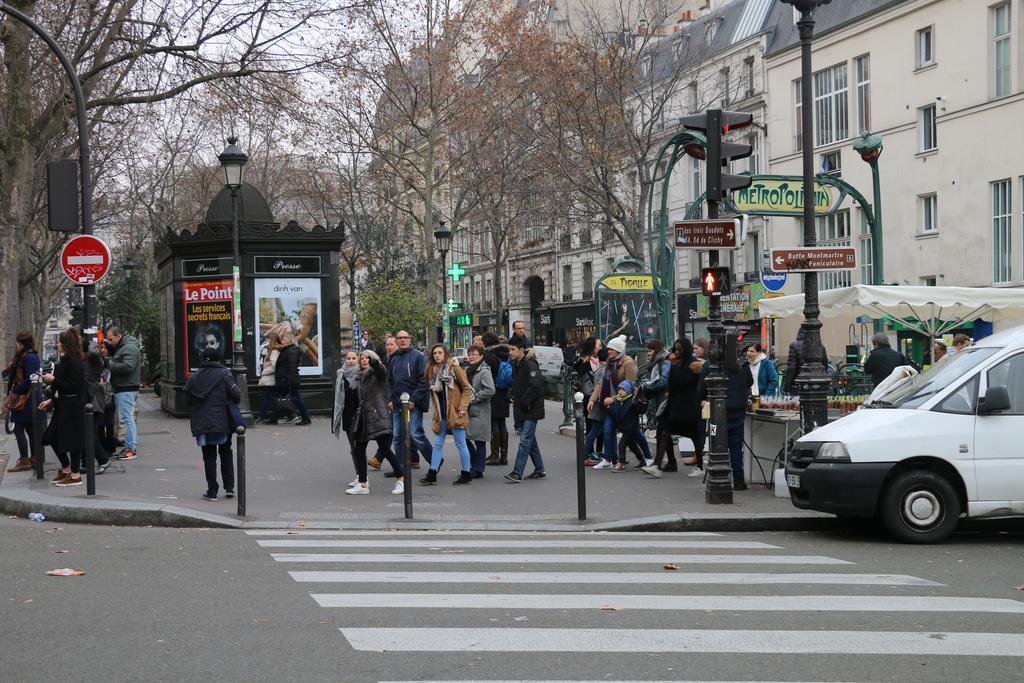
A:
(405, 435)
(581, 470)
(240, 469)
(38, 424)
(90, 451)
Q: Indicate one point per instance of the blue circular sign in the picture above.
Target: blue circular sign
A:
(773, 282)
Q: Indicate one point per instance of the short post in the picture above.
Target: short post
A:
(566, 375)
(38, 424)
(240, 469)
(90, 451)
(581, 470)
(405, 434)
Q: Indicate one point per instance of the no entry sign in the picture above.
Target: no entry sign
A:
(85, 259)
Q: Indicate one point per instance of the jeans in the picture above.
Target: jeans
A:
(296, 397)
(477, 455)
(636, 441)
(268, 396)
(528, 448)
(125, 402)
(735, 430)
(611, 451)
(22, 434)
(419, 439)
(227, 466)
(594, 434)
(460, 444)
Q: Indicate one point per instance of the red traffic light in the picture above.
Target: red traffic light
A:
(714, 281)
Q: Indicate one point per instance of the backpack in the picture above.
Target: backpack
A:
(504, 378)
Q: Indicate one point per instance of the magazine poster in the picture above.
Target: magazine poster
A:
(290, 307)
(208, 312)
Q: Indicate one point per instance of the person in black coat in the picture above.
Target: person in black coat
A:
(737, 394)
(372, 422)
(681, 415)
(208, 391)
(527, 397)
(66, 429)
(494, 353)
(19, 383)
(286, 376)
(98, 393)
(883, 359)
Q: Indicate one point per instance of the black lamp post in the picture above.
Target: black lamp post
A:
(443, 236)
(233, 160)
(812, 383)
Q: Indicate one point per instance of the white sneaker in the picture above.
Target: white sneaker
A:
(354, 482)
(648, 463)
(652, 470)
(358, 490)
(399, 488)
(696, 473)
(603, 465)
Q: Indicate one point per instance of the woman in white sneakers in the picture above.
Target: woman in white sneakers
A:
(373, 423)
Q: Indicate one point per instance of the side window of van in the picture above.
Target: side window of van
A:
(961, 402)
(1010, 374)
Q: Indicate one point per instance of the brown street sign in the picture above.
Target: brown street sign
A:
(813, 259)
(708, 234)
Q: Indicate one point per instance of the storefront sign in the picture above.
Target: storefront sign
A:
(208, 314)
(739, 306)
(290, 304)
(627, 283)
(205, 267)
(286, 265)
(780, 197)
(569, 317)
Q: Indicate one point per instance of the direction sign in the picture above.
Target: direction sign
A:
(85, 259)
(813, 259)
(708, 234)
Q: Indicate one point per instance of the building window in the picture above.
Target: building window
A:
(867, 254)
(925, 47)
(692, 96)
(832, 164)
(862, 70)
(588, 279)
(748, 72)
(752, 252)
(831, 117)
(488, 291)
(1002, 231)
(798, 117)
(698, 188)
(928, 281)
(929, 211)
(724, 79)
(926, 124)
(834, 231)
(1001, 49)
(753, 163)
(647, 66)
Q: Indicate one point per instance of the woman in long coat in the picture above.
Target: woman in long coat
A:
(479, 375)
(450, 393)
(682, 413)
(19, 382)
(208, 391)
(372, 422)
(66, 429)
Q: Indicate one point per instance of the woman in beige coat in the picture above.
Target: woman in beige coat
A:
(451, 393)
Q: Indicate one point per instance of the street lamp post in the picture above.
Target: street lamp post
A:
(233, 160)
(812, 383)
(444, 242)
(869, 147)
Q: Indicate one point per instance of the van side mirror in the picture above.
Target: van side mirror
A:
(996, 399)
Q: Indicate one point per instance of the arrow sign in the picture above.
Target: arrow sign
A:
(813, 259)
(708, 234)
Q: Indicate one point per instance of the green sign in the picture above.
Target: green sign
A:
(780, 197)
(463, 320)
(456, 271)
(453, 305)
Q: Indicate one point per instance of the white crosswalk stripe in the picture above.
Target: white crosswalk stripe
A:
(414, 592)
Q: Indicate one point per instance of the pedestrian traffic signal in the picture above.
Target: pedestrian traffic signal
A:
(713, 124)
(715, 281)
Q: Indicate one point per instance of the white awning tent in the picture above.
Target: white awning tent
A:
(932, 311)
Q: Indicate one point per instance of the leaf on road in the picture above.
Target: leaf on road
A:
(1019, 588)
(55, 530)
(670, 566)
(301, 522)
(65, 572)
(25, 602)
(62, 552)
(609, 608)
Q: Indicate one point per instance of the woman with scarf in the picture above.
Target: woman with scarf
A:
(19, 388)
(451, 394)
(480, 378)
(346, 403)
(619, 368)
(680, 415)
(372, 422)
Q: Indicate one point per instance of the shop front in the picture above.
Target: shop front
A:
(289, 279)
(739, 313)
(570, 325)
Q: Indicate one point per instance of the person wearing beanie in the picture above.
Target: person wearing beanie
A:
(208, 391)
(619, 368)
(883, 359)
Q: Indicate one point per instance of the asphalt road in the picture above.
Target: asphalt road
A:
(187, 605)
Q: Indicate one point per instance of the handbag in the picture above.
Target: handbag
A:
(15, 402)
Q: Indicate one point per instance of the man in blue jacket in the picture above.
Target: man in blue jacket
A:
(405, 376)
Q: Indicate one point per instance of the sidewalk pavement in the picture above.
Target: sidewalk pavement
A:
(297, 476)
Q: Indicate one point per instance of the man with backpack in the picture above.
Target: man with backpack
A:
(496, 357)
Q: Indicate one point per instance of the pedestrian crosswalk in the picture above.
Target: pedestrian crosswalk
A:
(614, 596)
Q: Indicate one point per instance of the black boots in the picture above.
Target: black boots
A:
(493, 458)
(464, 478)
(430, 479)
(503, 460)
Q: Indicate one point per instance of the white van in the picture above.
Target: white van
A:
(948, 442)
(550, 359)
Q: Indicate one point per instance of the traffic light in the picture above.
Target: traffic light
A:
(713, 124)
(715, 281)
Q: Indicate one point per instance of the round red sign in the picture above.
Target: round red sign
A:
(85, 259)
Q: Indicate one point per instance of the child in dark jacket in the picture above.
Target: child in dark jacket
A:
(627, 414)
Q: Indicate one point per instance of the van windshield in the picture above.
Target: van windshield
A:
(948, 371)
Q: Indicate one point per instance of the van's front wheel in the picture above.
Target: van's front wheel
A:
(920, 507)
